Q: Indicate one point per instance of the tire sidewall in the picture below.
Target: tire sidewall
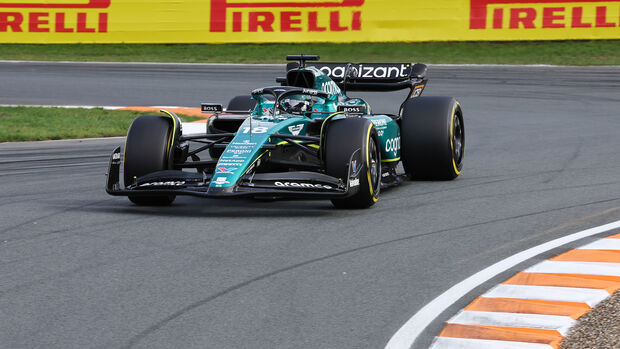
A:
(455, 113)
(148, 148)
(343, 137)
(426, 135)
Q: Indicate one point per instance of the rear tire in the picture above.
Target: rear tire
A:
(432, 138)
(146, 151)
(342, 139)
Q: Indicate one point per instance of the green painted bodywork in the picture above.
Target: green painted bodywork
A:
(246, 148)
(389, 137)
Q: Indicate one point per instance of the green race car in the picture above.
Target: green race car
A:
(304, 138)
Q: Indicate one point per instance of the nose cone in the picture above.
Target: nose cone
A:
(223, 191)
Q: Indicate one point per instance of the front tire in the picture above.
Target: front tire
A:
(432, 138)
(146, 150)
(343, 138)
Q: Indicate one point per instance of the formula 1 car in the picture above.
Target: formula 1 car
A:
(304, 138)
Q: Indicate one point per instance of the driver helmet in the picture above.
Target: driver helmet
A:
(292, 105)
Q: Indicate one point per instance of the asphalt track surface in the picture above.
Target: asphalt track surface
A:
(79, 268)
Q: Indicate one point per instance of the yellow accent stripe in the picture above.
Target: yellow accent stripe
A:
(452, 137)
(253, 162)
(170, 138)
(174, 130)
(372, 192)
(323, 125)
(391, 160)
(298, 141)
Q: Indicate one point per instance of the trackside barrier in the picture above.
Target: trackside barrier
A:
(271, 21)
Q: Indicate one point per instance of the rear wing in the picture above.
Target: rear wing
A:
(377, 77)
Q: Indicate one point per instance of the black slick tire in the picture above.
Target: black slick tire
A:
(432, 138)
(342, 139)
(146, 151)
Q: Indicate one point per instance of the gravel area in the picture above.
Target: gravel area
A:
(598, 329)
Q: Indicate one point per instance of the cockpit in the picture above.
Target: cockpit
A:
(283, 101)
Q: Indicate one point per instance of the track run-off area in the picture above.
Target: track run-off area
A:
(79, 268)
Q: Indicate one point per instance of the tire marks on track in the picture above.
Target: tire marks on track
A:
(171, 317)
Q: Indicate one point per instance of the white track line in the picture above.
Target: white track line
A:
(549, 293)
(466, 343)
(603, 244)
(521, 320)
(409, 332)
(581, 268)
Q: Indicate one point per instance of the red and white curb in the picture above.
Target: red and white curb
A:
(537, 307)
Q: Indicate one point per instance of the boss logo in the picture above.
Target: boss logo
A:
(214, 108)
(353, 109)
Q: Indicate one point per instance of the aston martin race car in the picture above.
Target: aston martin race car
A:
(304, 138)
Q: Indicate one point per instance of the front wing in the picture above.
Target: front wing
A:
(302, 185)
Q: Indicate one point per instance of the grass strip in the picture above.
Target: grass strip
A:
(41, 123)
(594, 52)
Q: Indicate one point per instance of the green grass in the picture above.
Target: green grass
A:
(597, 52)
(38, 123)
